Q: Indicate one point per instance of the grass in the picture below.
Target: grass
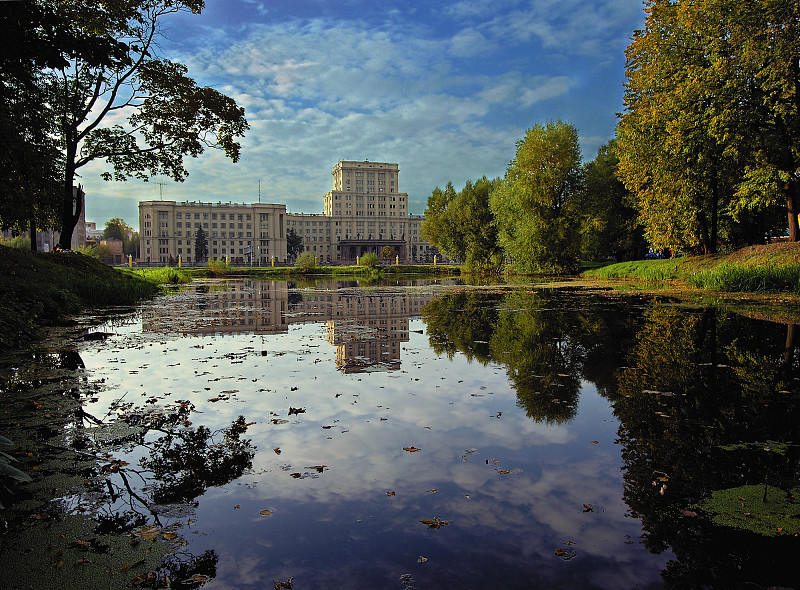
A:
(773, 268)
(39, 289)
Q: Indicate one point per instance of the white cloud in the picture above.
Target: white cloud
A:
(446, 99)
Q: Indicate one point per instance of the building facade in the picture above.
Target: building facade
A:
(241, 233)
(365, 212)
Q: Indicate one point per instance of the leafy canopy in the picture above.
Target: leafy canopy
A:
(535, 206)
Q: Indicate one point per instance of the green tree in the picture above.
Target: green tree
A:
(764, 114)
(168, 115)
(294, 243)
(117, 228)
(306, 261)
(29, 157)
(200, 245)
(670, 158)
(609, 220)
(462, 225)
(439, 227)
(711, 131)
(535, 206)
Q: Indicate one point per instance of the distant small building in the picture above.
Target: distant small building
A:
(116, 255)
(93, 235)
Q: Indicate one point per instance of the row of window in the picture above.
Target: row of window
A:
(230, 216)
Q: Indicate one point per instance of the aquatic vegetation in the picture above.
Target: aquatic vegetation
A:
(762, 509)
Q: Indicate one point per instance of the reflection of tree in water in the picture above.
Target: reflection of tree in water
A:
(542, 338)
(698, 383)
(538, 339)
(185, 461)
(462, 322)
(72, 447)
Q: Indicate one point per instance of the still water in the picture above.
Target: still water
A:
(264, 434)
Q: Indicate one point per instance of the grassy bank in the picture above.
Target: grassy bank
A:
(756, 269)
(38, 289)
(182, 275)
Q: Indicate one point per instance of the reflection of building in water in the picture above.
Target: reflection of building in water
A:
(367, 328)
(225, 308)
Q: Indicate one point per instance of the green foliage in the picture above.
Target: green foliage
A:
(39, 288)
(200, 245)
(709, 138)
(645, 270)
(306, 262)
(535, 207)
(369, 260)
(387, 253)
(218, 268)
(761, 269)
(609, 220)
(167, 276)
(19, 242)
(87, 250)
(753, 279)
(294, 243)
(30, 162)
(107, 63)
(744, 508)
(118, 229)
(462, 225)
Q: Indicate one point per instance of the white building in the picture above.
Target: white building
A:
(365, 212)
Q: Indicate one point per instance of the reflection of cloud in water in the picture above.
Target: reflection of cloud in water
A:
(444, 407)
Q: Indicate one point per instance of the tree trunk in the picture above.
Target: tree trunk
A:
(791, 208)
(714, 212)
(71, 208)
(704, 233)
(32, 232)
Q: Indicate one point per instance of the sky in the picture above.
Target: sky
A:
(444, 89)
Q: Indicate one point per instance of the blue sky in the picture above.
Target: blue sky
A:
(445, 89)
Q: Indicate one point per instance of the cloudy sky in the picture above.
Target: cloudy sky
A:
(444, 89)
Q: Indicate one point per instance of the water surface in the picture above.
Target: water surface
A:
(431, 435)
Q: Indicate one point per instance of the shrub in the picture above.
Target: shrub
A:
(217, 267)
(306, 262)
(370, 260)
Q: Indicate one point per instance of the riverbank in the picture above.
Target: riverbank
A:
(173, 275)
(39, 289)
(771, 268)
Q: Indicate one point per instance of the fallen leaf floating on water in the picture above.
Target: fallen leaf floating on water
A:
(435, 523)
(287, 585)
(277, 450)
(265, 512)
(560, 552)
(390, 493)
(594, 442)
(411, 449)
(588, 508)
(503, 471)
(319, 468)
(422, 559)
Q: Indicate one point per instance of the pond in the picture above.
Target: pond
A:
(266, 434)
